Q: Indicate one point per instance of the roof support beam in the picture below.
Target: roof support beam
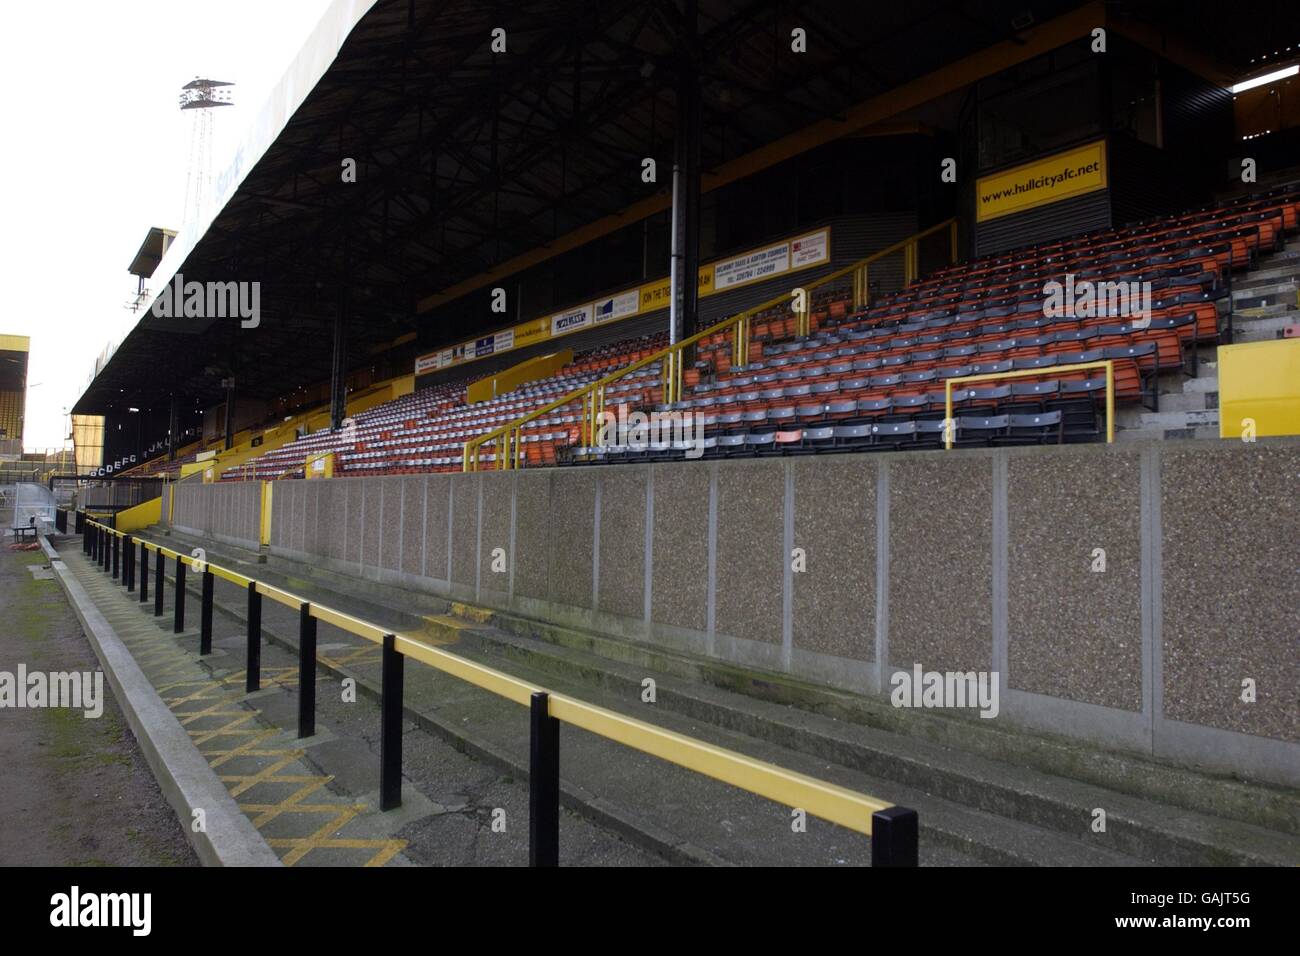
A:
(1034, 42)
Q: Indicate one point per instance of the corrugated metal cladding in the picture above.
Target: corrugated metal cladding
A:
(1055, 221)
(852, 238)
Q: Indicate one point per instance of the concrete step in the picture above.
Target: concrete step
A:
(1022, 794)
(1206, 384)
(1279, 269)
(1273, 293)
(1255, 327)
(1186, 401)
(892, 748)
(1135, 434)
(1179, 419)
(1265, 311)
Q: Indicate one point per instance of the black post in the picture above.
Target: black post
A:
(306, 671)
(103, 549)
(178, 618)
(90, 541)
(144, 573)
(894, 837)
(85, 544)
(205, 614)
(128, 558)
(543, 783)
(253, 668)
(80, 526)
(158, 585)
(390, 726)
(117, 555)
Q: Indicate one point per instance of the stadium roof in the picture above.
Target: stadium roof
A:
(471, 165)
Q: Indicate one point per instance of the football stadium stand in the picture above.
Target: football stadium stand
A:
(651, 352)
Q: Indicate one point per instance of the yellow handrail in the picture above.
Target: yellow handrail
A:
(592, 395)
(822, 799)
(1107, 364)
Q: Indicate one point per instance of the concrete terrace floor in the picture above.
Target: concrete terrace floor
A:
(315, 800)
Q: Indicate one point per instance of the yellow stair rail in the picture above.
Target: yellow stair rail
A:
(506, 439)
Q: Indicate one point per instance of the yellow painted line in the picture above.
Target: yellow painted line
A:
(495, 681)
(353, 625)
(826, 800)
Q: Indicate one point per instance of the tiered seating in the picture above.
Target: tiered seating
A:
(872, 378)
(875, 379)
(426, 431)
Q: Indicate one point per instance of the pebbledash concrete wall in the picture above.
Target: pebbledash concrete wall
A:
(228, 512)
(971, 560)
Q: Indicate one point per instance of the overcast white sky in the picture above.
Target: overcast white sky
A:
(96, 150)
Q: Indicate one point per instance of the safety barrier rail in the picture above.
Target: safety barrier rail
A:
(893, 829)
(949, 430)
(672, 359)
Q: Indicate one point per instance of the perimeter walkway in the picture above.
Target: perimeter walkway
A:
(315, 800)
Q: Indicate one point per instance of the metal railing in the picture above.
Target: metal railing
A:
(672, 359)
(893, 829)
(949, 423)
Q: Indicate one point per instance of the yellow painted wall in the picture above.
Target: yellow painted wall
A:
(1259, 383)
(141, 516)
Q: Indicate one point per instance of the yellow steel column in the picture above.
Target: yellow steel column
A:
(1110, 401)
(947, 415)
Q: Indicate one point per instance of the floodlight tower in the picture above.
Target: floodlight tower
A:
(202, 97)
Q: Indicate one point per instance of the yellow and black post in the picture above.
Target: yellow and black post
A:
(306, 671)
(205, 613)
(543, 783)
(178, 616)
(158, 585)
(253, 662)
(390, 726)
(128, 561)
(144, 573)
(894, 834)
(117, 557)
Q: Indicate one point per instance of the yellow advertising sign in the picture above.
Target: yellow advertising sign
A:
(535, 331)
(1044, 181)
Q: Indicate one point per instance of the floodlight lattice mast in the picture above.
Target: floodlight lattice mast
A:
(201, 96)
